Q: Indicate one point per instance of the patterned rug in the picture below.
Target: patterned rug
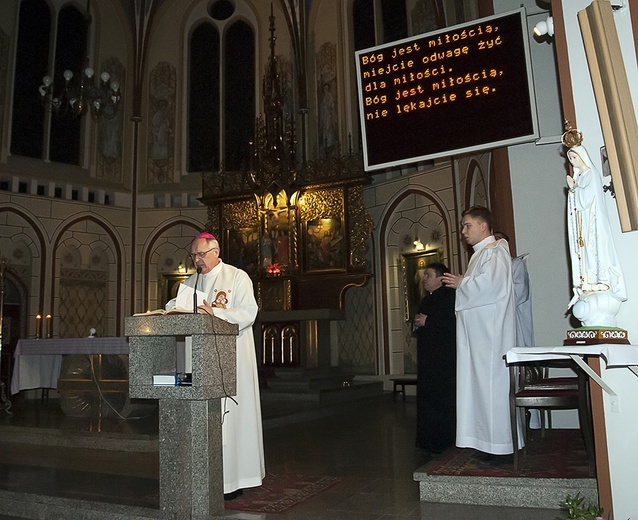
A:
(279, 493)
(561, 454)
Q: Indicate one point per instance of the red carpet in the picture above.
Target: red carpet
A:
(279, 493)
(561, 454)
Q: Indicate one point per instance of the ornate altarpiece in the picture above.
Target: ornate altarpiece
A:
(302, 247)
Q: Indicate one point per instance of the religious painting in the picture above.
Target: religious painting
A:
(276, 238)
(413, 266)
(324, 245)
(168, 287)
(242, 249)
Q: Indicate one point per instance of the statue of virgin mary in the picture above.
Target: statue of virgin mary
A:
(597, 277)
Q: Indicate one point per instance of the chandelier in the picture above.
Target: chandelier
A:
(81, 95)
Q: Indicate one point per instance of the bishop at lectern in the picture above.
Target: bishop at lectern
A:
(230, 297)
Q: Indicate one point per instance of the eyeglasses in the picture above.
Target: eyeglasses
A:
(201, 255)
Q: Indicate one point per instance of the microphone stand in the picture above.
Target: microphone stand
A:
(199, 271)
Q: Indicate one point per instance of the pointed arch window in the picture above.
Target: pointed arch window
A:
(378, 21)
(203, 99)
(34, 133)
(32, 57)
(221, 104)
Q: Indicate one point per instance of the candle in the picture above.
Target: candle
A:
(38, 326)
(49, 326)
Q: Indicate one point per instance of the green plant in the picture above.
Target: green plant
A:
(576, 510)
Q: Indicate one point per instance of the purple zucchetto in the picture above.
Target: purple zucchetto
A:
(206, 235)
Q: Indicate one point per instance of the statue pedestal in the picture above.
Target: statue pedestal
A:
(190, 422)
(596, 336)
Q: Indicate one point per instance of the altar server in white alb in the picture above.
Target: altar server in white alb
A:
(486, 330)
(230, 297)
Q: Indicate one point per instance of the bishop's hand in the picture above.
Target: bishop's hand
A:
(205, 308)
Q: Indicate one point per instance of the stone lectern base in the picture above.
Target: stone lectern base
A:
(595, 336)
(190, 429)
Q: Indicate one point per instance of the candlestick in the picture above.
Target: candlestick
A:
(38, 326)
(49, 326)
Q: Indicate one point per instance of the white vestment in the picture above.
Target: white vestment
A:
(242, 435)
(485, 331)
(523, 297)
(524, 321)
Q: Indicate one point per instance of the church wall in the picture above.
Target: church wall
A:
(420, 206)
(89, 225)
(165, 68)
(111, 139)
(169, 49)
(52, 229)
(538, 174)
(327, 81)
(539, 195)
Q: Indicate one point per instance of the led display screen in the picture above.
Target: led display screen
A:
(462, 89)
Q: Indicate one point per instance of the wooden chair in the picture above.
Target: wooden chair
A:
(531, 387)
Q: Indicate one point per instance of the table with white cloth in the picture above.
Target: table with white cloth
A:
(614, 368)
(37, 362)
(614, 355)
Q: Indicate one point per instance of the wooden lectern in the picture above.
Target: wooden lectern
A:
(190, 421)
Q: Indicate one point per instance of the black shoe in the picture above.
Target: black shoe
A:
(233, 494)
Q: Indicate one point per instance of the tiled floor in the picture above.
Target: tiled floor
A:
(369, 443)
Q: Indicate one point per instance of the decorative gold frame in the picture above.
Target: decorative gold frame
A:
(410, 265)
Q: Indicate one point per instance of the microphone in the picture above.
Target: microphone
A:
(199, 271)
